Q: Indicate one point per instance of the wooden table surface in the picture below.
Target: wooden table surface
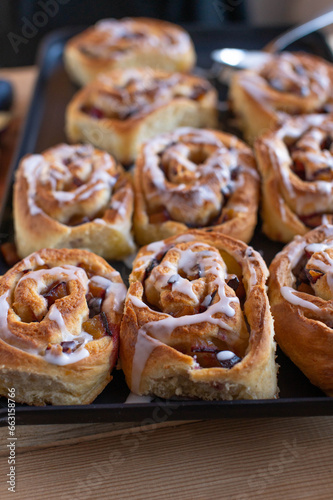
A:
(237, 459)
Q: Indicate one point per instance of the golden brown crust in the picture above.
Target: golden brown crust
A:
(295, 162)
(74, 197)
(123, 108)
(301, 301)
(182, 315)
(125, 43)
(60, 316)
(195, 178)
(289, 84)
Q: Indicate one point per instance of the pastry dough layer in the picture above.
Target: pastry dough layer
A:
(127, 43)
(74, 197)
(195, 178)
(60, 315)
(289, 84)
(121, 109)
(300, 292)
(296, 164)
(187, 332)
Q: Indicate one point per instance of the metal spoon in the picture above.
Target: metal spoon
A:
(234, 59)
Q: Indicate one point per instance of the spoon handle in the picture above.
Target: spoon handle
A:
(290, 36)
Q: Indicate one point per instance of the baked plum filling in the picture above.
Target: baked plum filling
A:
(97, 325)
(93, 112)
(127, 99)
(211, 357)
(57, 291)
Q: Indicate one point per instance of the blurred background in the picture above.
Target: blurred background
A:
(23, 23)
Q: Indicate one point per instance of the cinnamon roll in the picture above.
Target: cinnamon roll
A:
(127, 43)
(60, 312)
(288, 84)
(73, 197)
(195, 178)
(301, 292)
(296, 164)
(197, 320)
(123, 108)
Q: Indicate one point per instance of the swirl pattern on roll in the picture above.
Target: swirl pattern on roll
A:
(73, 196)
(301, 292)
(60, 313)
(288, 84)
(114, 43)
(296, 164)
(195, 178)
(191, 324)
(122, 108)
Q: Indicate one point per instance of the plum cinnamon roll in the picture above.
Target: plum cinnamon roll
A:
(296, 163)
(123, 108)
(197, 321)
(195, 178)
(73, 197)
(301, 296)
(288, 84)
(59, 327)
(126, 43)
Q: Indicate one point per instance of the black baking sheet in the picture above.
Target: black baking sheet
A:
(44, 127)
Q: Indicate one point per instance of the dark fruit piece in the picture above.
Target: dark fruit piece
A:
(96, 291)
(159, 217)
(173, 279)
(106, 324)
(153, 263)
(94, 304)
(314, 275)
(233, 282)
(204, 308)
(235, 172)
(305, 288)
(77, 182)
(99, 327)
(228, 363)
(299, 169)
(198, 91)
(94, 326)
(57, 291)
(312, 220)
(69, 346)
(93, 112)
(77, 220)
(326, 143)
(206, 356)
(196, 272)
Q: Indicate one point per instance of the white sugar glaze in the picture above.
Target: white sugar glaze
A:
(63, 358)
(114, 297)
(224, 355)
(49, 168)
(214, 171)
(143, 348)
(115, 293)
(158, 333)
(133, 399)
(288, 294)
(67, 272)
(115, 29)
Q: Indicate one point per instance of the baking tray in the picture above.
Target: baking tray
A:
(44, 127)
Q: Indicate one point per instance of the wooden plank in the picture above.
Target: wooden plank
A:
(228, 459)
(31, 437)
